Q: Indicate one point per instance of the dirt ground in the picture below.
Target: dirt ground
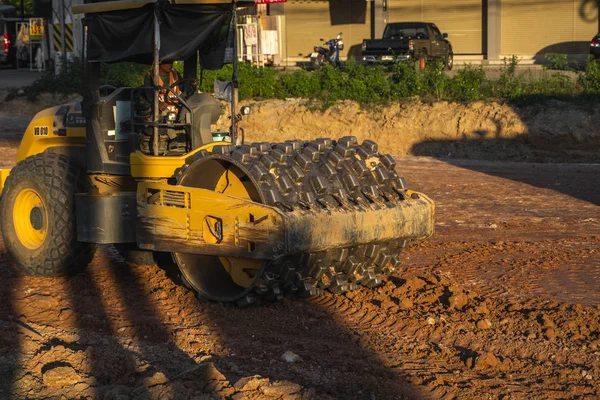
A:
(503, 302)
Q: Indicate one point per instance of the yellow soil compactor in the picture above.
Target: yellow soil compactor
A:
(240, 220)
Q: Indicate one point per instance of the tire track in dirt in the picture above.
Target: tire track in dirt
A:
(564, 270)
(441, 347)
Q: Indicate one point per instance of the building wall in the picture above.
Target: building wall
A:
(535, 27)
(307, 21)
(475, 27)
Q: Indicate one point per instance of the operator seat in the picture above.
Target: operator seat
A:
(206, 111)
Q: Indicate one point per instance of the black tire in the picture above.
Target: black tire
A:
(54, 179)
(133, 254)
(318, 62)
(449, 61)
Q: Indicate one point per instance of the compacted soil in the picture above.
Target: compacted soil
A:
(502, 302)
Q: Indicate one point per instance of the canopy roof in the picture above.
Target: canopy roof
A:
(124, 30)
(101, 6)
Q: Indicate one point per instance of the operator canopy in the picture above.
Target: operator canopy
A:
(124, 31)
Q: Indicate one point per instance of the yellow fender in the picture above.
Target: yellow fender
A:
(40, 135)
(3, 175)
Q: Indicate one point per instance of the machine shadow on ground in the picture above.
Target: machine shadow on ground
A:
(10, 340)
(254, 338)
(133, 328)
(112, 364)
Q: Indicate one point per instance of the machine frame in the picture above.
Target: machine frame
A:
(241, 221)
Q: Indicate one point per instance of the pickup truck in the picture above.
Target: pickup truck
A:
(418, 41)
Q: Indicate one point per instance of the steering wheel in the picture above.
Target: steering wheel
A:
(184, 94)
(106, 89)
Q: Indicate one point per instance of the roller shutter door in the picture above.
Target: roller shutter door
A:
(405, 11)
(461, 19)
(535, 27)
(309, 20)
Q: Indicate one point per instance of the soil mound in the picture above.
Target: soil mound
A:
(553, 131)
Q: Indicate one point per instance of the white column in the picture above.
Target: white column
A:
(494, 29)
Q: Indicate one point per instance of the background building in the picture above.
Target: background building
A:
(486, 30)
(285, 33)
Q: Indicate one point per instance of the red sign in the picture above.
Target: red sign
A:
(269, 1)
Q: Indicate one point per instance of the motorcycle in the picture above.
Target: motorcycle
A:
(330, 52)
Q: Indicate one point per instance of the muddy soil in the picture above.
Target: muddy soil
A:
(503, 302)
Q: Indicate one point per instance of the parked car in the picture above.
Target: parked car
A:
(595, 47)
(418, 41)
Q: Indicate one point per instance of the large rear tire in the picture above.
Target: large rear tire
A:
(38, 216)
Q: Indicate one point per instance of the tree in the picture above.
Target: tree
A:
(27, 6)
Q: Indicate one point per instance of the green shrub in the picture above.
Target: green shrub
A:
(334, 83)
(590, 80)
(556, 61)
(299, 84)
(206, 78)
(368, 85)
(467, 85)
(434, 82)
(253, 82)
(354, 81)
(508, 85)
(356, 77)
(257, 82)
(556, 84)
(123, 74)
(405, 79)
(379, 86)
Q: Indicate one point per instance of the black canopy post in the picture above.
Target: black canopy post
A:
(234, 79)
(190, 67)
(156, 62)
